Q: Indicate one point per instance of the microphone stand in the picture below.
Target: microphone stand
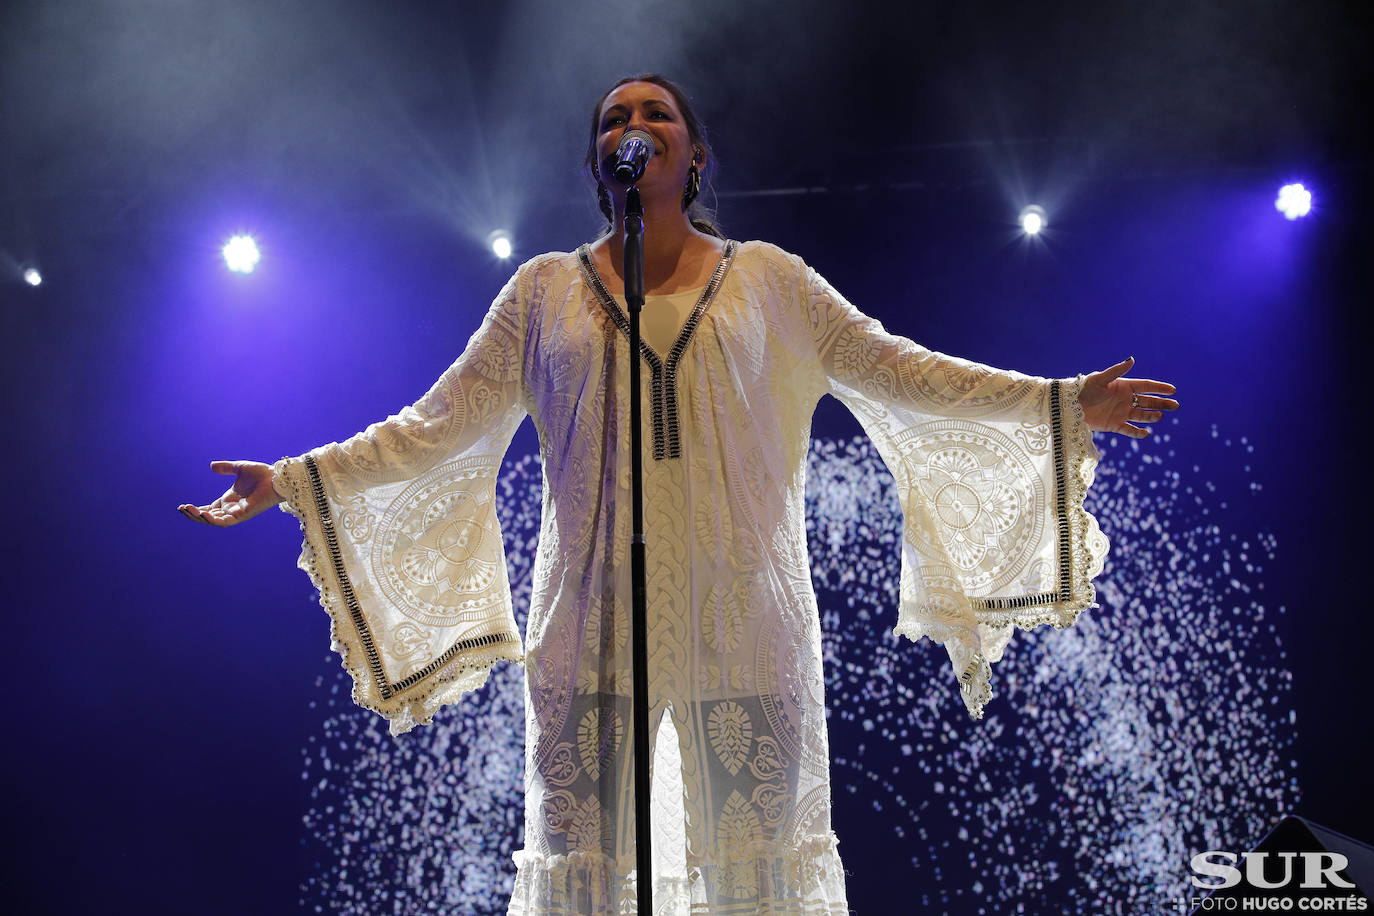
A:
(634, 299)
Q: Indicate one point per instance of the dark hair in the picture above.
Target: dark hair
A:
(701, 216)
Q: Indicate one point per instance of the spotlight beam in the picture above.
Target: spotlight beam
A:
(241, 254)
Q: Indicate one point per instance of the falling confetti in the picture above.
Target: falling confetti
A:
(1158, 726)
(427, 822)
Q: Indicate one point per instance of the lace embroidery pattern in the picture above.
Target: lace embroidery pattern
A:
(387, 688)
(667, 435)
(407, 540)
(1065, 590)
(462, 667)
(1080, 550)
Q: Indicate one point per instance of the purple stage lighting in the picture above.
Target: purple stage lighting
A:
(241, 254)
(1033, 220)
(1293, 201)
(32, 277)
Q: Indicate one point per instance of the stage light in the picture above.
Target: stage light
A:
(1293, 201)
(32, 277)
(241, 254)
(500, 244)
(1033, 220)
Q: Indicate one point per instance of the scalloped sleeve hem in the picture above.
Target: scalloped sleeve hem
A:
(978, 629)
(365, 642)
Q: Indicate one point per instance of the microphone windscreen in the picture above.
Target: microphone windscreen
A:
(636, 148)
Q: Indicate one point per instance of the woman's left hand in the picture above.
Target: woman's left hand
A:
(1111, 403)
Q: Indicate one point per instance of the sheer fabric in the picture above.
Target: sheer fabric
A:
(401, 538)
(663, 317)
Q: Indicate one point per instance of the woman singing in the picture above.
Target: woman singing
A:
(741, 339)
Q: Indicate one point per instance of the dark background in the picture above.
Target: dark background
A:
(161, 672)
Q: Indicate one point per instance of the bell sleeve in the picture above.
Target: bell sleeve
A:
(400, 530)
(991, 468)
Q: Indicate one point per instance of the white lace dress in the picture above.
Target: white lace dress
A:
(402, 540)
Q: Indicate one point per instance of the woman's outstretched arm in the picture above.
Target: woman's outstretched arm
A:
(251, 493)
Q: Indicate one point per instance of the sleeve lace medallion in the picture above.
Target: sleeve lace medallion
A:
(400, 531)
(991, 467)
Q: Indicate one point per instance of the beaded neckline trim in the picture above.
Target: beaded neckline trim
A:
(667, 427)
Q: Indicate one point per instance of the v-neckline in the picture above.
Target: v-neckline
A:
(663, 370)
(684, 335)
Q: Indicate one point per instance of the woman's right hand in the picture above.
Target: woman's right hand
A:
(250, 494)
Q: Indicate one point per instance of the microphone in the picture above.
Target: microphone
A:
(636, 147)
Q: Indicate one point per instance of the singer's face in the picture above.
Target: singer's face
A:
(647, 107)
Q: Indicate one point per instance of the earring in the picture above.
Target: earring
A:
(603, 200)
(692, 187)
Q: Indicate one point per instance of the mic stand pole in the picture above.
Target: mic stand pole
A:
(634, 299)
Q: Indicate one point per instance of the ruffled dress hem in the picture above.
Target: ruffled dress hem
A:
(804, 878)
